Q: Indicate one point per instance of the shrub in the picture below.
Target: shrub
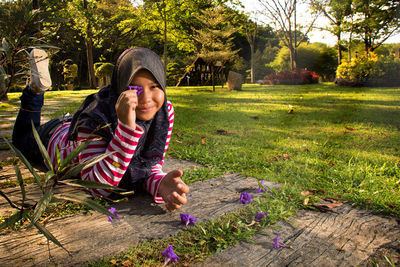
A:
(70, 72)
(103, 69)
(299, 76)
(316, 57)
(369, 70)
(359, 70)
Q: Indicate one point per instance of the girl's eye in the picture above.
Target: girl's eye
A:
(156, 87)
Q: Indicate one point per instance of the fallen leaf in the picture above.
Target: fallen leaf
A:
(277, 158)
(127, 263)
(333, 205)
(202, 242)
(180, 142)
(306, 193)
(350, 128)
(113, 262)
(340, 249)
(178, 134)
(306, 200)
(369, 201)
(203, 141)
(286, 156)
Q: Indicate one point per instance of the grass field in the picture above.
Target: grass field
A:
(340, 142)
(332, 142)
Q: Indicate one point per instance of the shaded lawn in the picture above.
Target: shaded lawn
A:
(340, 142)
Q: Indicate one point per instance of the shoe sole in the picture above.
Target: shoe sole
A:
(40, 75)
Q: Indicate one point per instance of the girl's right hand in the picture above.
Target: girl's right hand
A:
(126, 106)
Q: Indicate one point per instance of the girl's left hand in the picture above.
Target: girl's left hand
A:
(173, 190)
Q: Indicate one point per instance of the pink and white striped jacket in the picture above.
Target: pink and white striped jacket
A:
(111, 169)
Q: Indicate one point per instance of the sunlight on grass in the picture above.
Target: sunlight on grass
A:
(343, 141)
(336, 137)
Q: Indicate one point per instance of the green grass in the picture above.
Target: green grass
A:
(339, 142)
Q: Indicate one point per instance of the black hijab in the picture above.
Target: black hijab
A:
(97, 113)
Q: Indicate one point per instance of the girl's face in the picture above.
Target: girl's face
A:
(152, 97)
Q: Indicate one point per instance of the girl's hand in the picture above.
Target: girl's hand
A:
(173, 190)
(126, 106)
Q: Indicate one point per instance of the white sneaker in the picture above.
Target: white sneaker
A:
(40, 77)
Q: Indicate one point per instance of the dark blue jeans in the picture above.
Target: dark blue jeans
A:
(22, 136)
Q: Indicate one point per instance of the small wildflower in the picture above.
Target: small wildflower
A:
(169, 255)
(245, 198)
(188, 219)
(277, 243)
(112, 211)
(261, 188)
(260, 215)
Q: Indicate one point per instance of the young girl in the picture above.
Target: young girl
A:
(131, 118)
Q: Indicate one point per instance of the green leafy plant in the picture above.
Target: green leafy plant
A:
(64, 174)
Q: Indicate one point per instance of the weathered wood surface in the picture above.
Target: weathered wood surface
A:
(92, 236)
(346, 238)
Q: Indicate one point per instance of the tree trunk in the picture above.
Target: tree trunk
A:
(212, 77)
(252, 62)
(339, 48)
(292, 66)
(165, 38)
(89, 56)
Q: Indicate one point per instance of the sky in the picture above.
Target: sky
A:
(314, 35)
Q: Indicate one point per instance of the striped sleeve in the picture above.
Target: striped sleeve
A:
(111, 169)
(157, 174)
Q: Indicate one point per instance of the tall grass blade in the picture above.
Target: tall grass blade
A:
(27, 164)
(48, 235)
(75, 171)
(90, 184)
(74, 153)
(42, 148)
(21, 183)
(42, 205)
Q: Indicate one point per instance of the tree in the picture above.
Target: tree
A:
(283, 16)
(375, 21)
(336, 11)
(214, 38)
(17, 36)
(86, 20)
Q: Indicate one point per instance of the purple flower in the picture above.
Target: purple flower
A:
(169, 255)
(261, 188)
(245, 198)
(188, 219)
(139, 89)
(112, 211)
(277, 243)
(260, 215)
